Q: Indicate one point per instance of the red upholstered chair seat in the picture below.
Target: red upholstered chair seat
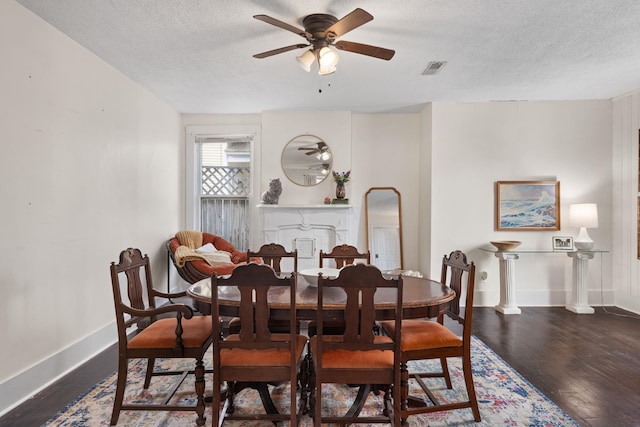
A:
(162, 333)
(423, 334)
(263, 358)
(343, 359)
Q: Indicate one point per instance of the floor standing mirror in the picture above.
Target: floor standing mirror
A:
(383, 216)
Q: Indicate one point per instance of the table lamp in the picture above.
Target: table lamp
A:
(583, 215)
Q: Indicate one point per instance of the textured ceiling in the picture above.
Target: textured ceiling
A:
(197, 55)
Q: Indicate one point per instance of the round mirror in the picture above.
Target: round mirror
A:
(306, 160)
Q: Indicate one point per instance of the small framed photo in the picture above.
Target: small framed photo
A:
(562, 243)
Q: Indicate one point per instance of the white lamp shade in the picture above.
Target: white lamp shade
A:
(306, 59)
(584, 215)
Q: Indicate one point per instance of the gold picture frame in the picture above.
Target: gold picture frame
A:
(528, 205)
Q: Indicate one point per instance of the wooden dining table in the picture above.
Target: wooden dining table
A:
(421, 298)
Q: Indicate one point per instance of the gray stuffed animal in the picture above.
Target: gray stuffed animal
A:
(272, 195)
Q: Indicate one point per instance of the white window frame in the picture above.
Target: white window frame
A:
(193, 178)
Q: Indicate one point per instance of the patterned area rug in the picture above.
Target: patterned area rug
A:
(504, 396)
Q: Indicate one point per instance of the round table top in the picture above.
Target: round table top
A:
(422, 298)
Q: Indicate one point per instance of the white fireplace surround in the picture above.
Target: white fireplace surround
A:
(307, 228)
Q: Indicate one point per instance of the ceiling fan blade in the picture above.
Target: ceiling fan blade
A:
(283, 25)
(350, 22)
(280, 50)
(365, 49)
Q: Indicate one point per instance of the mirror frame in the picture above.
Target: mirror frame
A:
(367, 221)
(295, 158)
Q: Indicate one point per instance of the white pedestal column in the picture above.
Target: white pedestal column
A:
(580, 298)
(507, 283)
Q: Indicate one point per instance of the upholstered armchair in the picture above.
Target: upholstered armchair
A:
(197, 255)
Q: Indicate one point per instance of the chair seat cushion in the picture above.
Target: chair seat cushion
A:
(345, 359)
(423, 334)
(262, 357)
(162, 333)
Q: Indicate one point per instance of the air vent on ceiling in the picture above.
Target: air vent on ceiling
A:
(433, 67)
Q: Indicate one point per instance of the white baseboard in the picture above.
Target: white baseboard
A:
(27, 383)
(543, 298)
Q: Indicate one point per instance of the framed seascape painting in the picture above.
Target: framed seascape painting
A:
(528, 205)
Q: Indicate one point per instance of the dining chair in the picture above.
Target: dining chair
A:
(270, 254)
(357, 356)
(344, 255)
(256, 356)
(424, 339)
(168, 331)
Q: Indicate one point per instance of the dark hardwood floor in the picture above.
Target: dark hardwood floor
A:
(589, 365)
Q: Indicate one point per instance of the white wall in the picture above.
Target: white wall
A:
(626, 272)
(385, 154)
(89, 165)
(424, 190)
(477, 144)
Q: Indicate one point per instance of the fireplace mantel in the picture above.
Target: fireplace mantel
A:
(307, 228)
(322, 206)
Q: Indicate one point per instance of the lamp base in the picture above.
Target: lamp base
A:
(583, 242)
(583, 246)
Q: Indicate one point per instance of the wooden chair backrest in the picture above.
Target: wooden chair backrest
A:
(254, 282)
(459, 275)
(344, 255)
(360, 283)
(137, 272)
(272, 254)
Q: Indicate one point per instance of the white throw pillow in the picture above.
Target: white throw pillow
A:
(206, 249)
(217, 258)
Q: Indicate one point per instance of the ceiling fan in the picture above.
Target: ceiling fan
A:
(321, 31)
(320, 147)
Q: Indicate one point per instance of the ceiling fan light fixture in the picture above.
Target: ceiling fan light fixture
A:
(306, 59)
(327, 58)
(326, 71)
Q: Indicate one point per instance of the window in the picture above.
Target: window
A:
(225, 190)
(220, 180)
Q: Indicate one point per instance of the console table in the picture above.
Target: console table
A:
(579, 299)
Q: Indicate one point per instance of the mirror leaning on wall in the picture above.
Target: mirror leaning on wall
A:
(383, 214)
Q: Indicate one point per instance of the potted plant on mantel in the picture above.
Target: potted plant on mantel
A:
(340, 178)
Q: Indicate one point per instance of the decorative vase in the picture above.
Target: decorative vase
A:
(340, 192)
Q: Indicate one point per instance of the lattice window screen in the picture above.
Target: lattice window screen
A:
(225, 181)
